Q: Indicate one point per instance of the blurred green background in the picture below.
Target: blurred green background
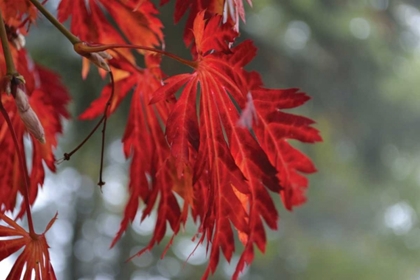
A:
(359, 60)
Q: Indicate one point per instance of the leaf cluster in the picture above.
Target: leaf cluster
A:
(211, 143)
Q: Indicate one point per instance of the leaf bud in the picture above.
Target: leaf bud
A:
(99, 59)
(26, 113)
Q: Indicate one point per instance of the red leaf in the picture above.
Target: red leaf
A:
(138, 23)
(236, 167)
(13, 11)
(141, 26)
(34, 259)
(273, 128)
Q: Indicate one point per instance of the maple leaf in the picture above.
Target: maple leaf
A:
(236, 167)
(14, 10)
(138, 22)
(141, 26)
(48, 98)
(34, 261)
(231, 10)
(272, 127)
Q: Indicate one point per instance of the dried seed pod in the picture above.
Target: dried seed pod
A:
(27, 114)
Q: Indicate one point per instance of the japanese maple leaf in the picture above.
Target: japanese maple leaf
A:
(231, 10)
(48, 99)
(34, 261)
(142, 21)
(14, 10)
(262, 112)
(235, 166)
(141, 26)
(138, 23)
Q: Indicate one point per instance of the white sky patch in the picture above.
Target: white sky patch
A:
(114, 193)
(400, 217)
(360, 28)
(187, 250)
(297, 35)
(5, 267)
(115, 152)
(147, 226)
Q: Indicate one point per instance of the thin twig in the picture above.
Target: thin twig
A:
(108, 104)
(6, 48)
(103, 120)
(67, 156)
(83, 48)
(72, 38)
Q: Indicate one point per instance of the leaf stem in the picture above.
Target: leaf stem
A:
(28, 18)
(72, 38)
(24, 169)
(6, 48)
(67, 156)
(102, 120)
(83, 48)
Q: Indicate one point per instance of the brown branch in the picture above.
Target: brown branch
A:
(24, 169)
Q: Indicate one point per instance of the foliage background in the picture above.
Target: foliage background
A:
(360, 62)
